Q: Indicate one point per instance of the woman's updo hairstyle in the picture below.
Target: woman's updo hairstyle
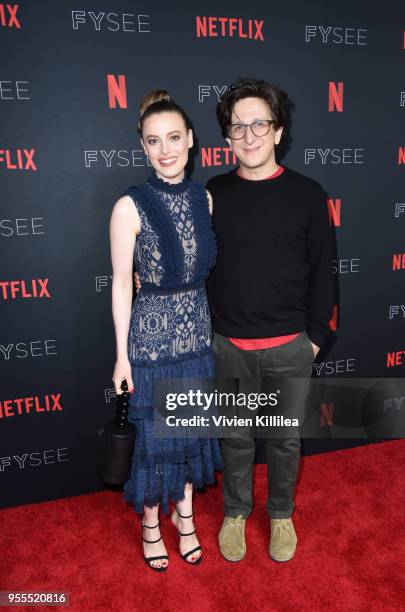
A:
(159, 101)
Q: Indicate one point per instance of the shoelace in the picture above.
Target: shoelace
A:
(283, 524)
(237, 523)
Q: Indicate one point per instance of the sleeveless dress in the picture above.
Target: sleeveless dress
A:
(170, 335)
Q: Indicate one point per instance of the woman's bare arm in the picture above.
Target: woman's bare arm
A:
(124, 226)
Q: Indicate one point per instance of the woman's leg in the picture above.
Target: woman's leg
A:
(186, 525)
(150, 519)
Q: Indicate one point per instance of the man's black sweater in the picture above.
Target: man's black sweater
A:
(273, 274)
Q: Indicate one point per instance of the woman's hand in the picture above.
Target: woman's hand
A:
(122, 371)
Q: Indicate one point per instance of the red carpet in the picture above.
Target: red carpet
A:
(351, 542)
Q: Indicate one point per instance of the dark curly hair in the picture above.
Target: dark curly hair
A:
(252, 88)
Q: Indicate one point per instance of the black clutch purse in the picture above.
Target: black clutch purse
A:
(116, 441)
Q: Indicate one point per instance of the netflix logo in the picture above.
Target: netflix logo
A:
(401, 156)
(395, 359)
(112, 22)
(334, 35)
(333, 323)
(398, 262)
(335, 97)
(20, 159)
(232, 27)
(8, 16)
(34, 288)
(334, 208)
(217, 156)
(117, 91)
(28, 459)
(30, 405)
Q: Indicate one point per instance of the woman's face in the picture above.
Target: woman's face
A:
(166, 141)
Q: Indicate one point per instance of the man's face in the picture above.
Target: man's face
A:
(254, 151)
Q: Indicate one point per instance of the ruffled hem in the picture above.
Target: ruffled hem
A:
(161, 467)
(164, 483)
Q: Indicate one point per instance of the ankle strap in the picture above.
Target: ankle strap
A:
(181, 516)
(150, 526)
(152, 541)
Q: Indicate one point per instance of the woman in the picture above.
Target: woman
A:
(166, 225)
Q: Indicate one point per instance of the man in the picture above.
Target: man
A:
(270, 294)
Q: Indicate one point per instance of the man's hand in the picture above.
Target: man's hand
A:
(138, 284)
(326, 417)
(315, 348)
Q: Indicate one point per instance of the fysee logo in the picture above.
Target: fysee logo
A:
(8, 16)
(399, 209)
(21, 160)
(396, 310)
(35, 459)
(127, 22)
(204, 91)
(336, 35)
(228, 27)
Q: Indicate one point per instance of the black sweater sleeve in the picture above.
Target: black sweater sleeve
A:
(319, 253)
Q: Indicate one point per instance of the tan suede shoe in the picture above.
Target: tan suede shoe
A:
(231, 538)
(283, 540)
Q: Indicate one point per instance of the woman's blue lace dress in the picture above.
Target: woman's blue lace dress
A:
(170, 335)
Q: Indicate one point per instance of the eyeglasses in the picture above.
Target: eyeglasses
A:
(259, 128)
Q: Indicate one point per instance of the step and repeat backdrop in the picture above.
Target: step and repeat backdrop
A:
(71, 77)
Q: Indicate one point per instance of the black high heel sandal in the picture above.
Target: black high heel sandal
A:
(190, 552)
(160, 557)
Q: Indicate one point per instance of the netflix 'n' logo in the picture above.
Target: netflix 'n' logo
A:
(333, 323)
(401, 156)
(217, 156)
(19, 160)
(117, 91)
(334, 208)
(34, 288)
(8, 16)
(398, 261)
(335, 97)
(229, 26)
